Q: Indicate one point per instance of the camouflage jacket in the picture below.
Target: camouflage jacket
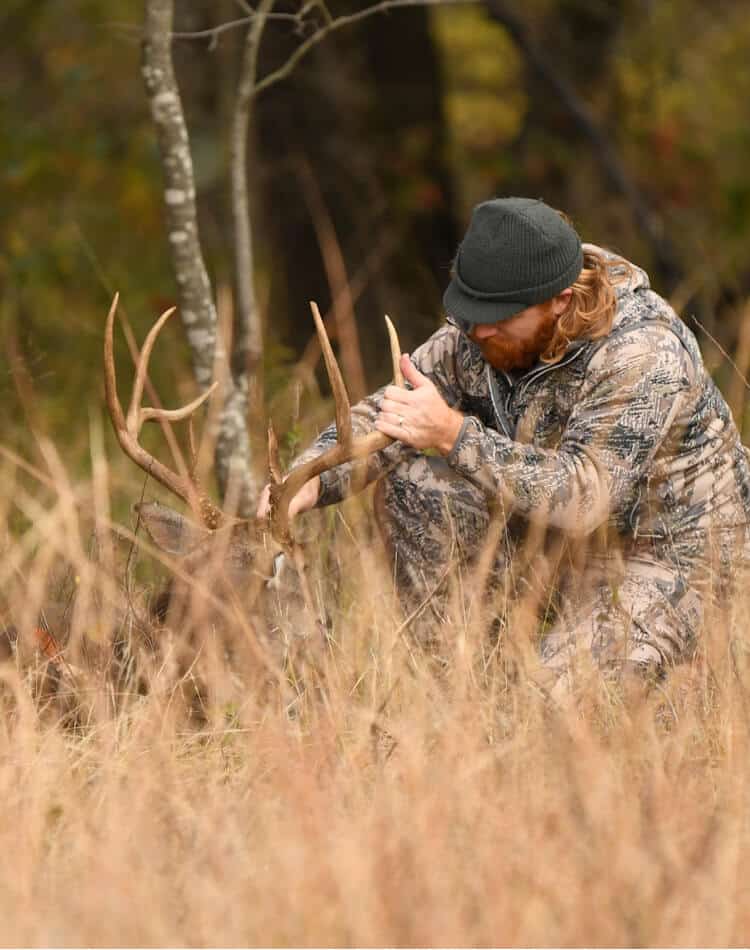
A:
(626, 438)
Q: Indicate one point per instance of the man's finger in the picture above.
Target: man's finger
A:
(398, 395)
(411, 373)
(400, 433)
(394, 418)
(394, 405)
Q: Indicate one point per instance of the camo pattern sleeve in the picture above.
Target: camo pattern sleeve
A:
(635, 386)
(436, 358)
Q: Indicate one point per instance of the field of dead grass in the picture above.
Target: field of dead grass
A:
(369, 797)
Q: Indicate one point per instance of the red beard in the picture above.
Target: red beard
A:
(512, 354)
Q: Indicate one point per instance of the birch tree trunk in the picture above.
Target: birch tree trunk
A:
(196, 304)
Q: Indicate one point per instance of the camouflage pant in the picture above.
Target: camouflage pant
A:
(432, 519)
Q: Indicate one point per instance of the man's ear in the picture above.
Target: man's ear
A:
(561, 302)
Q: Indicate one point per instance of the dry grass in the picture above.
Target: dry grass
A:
(372, 797)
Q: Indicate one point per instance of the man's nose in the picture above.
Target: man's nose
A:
(482, 331)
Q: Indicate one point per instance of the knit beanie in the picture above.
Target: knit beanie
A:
(516, 252)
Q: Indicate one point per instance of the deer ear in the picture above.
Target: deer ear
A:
(169, 530)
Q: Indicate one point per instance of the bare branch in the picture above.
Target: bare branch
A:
(335, 24)
(214, 32)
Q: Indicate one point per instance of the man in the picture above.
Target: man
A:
(566, 398)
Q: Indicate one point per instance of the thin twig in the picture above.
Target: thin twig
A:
(283, 71)
(214, 32)
(721, 349)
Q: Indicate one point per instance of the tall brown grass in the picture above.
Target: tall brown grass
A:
(372, 796)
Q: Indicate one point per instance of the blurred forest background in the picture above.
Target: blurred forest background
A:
(631, 115)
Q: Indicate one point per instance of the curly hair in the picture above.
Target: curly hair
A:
(591, 310)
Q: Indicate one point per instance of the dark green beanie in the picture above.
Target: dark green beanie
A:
(517, 252)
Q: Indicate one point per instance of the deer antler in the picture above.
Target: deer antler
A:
(128, 427)
(347, 448)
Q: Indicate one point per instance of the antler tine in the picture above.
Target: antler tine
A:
(274, 465)
(148, 413)
(110, 379)
(282, 494)
(340, 395)
(137, 414)
(398, 376)
(141, 369)
(127, 430)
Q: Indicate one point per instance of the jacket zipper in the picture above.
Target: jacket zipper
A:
(503, 417)
(537, 373)
(492, 386)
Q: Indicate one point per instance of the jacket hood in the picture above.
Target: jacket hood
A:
(637, 304)
(637, 278)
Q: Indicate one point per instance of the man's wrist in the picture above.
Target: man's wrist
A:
(453, 425)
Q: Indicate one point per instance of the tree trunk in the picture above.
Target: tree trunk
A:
(197, 308)
(247, 356)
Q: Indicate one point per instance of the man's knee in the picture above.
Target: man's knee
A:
(633, 628)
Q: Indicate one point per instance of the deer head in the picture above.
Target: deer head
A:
(246, 557)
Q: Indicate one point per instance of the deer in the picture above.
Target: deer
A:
(250, 574)
(249, 569)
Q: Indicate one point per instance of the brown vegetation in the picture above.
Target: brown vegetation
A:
(368, 794)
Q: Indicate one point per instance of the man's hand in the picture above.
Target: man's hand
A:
(419, 417)
(304, 500)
